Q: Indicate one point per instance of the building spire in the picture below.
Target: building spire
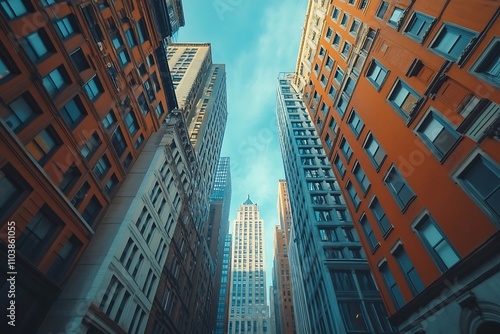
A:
(248, 201)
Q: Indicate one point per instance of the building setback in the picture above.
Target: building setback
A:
(334, 291)
(405, 97)
(249, 311)
(83, 87)
(283, 282)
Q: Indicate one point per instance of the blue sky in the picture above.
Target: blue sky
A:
(256, 39)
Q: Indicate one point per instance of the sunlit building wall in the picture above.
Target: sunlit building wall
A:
(248, 309)
(405, 98)
(334, 291)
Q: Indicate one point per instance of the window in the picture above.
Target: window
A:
(451, 41)
(64, 258)
(37, 236)
(131, 123)
(353, 194)
(102, 167)
(142, 31)
(331, 92)
(379, 214)
(336, 41)
(480, 179)
(361, 177)
(335, 13)
(71, 176)
(118, 141)
(435, 242)
(408, 270)
(340, 166)
(365, 280)
(403, 98)
(43, 145)
(93, 88)
(354, 27)
(345, 19)
(323, 80)
(391, 285)
(79, 60)
(418, 26)
(21, 112)
(55, 81)
(354, 318)
(355, 123)
(437, 133)
(121, 50)
(368, 231)
(37, 45)
(7, 67)
(345, 49)
(400, 190)
(376, 74)
(10, 190)
(339, 75)
(374, 151)
(396, 16)
(139, 141)
(73, 112)
(66, 26)
(90, 146)
(382, 9)
(109, 120)
(13, 8)
(487, 67)
(346, 149)
(329, 33)
(130, 36)
(343, 280)
(92, 210)
(329, 63)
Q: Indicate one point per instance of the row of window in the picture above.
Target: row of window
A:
(450, 42)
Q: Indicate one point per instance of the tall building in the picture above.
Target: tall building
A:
(405, 97)
(82, 88)
(283, 284)
(334, 291)
(200, 87)
(218, 228)
(248, 305)
(131, 275)
(225, 287)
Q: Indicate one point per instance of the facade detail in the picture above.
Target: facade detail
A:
(248, 309)
(82, 88)
(334, 291)
(405, 98)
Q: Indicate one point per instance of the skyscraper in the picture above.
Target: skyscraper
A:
(225, 288)
(82, 88)
(284, 287)
(334, 291)
(218, 228)
(200, 87)
(248, 306)
(405, 97)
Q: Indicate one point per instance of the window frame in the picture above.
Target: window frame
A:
(417, 227)
(375, 64)
(469, 188)
(446, 26)
(359, 126)
(369, 139)
(421, 34)
(396, 89)
(488, 54)
(433, 115)
(49, 130)
(393, 173)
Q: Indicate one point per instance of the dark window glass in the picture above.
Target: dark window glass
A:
(37, 236)
(79, 60)
(43, 145)
(73, 112)
(92, 210)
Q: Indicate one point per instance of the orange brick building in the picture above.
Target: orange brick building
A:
(82, 87)
(405, 96)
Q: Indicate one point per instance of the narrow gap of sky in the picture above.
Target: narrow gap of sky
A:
(255, 39)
